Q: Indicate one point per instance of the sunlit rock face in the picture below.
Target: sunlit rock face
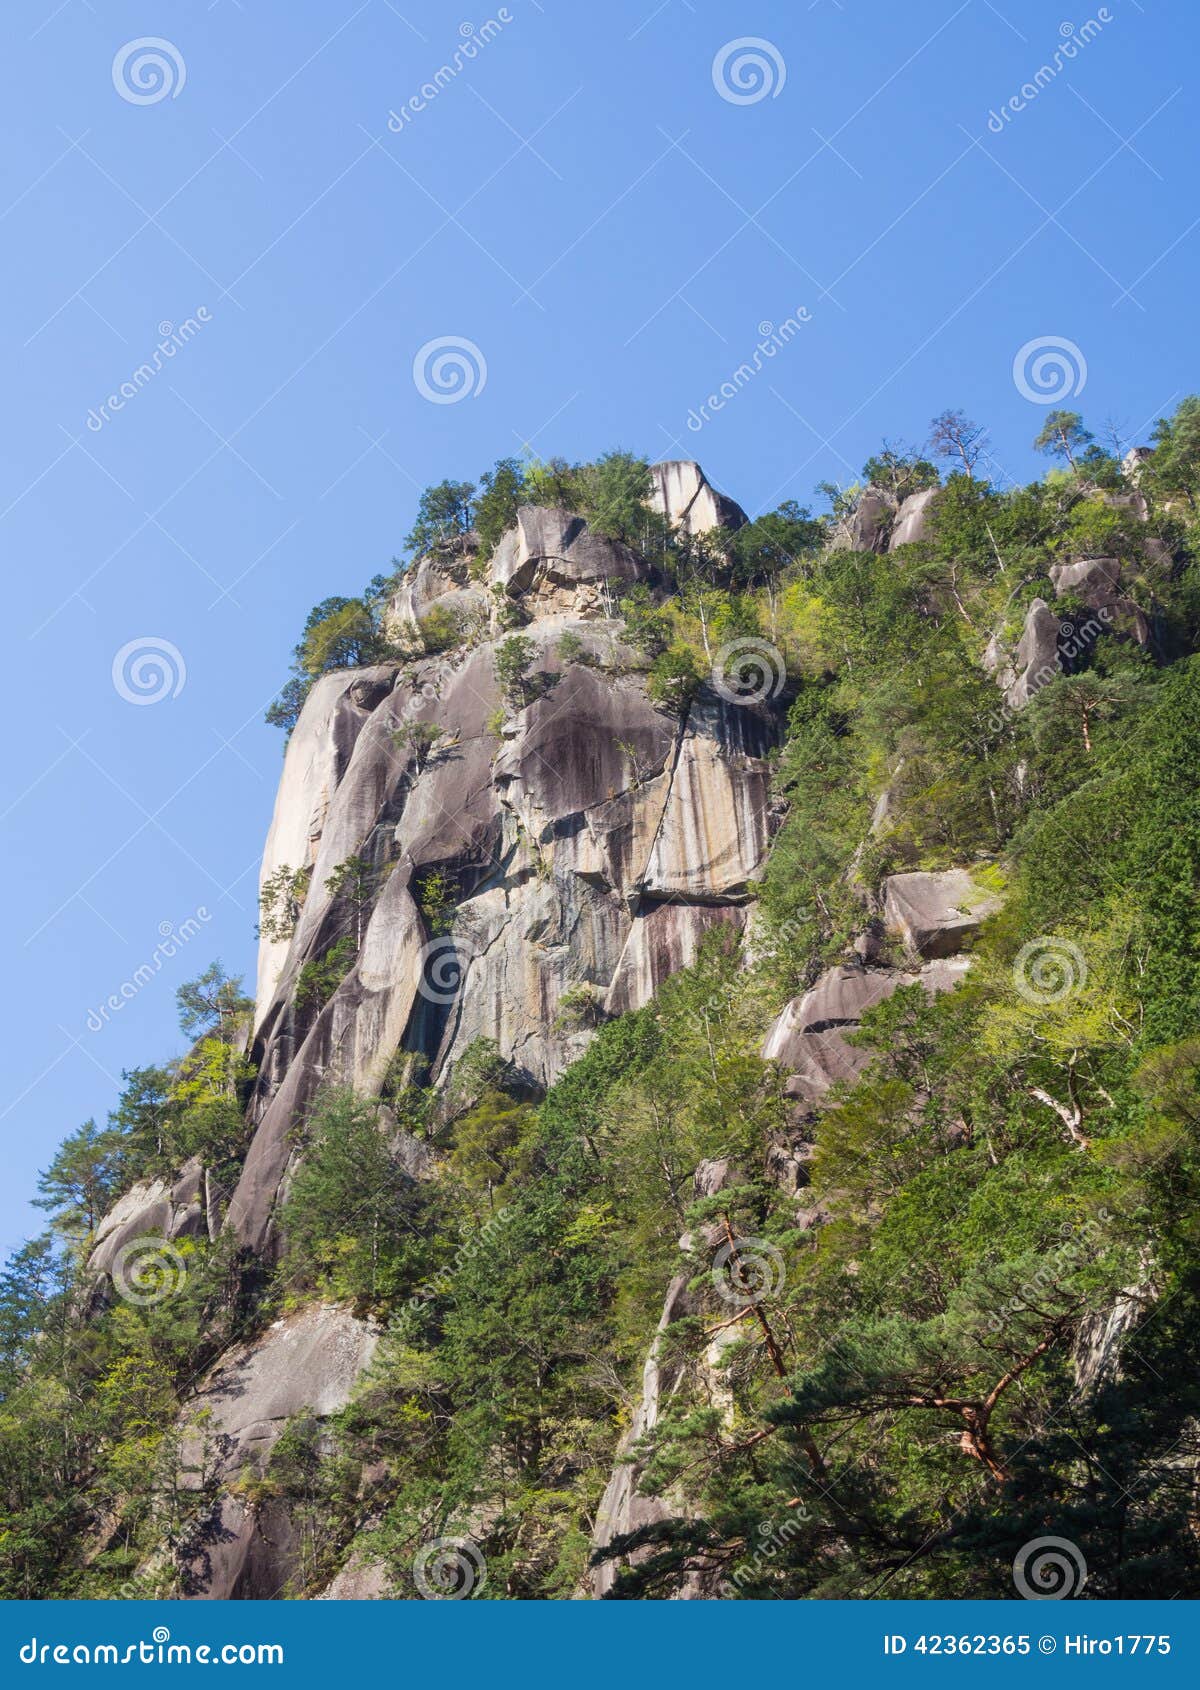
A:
(588, 838)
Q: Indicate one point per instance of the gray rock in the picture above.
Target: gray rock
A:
(809, 1037)
(683, 494)
(1096, 580)
(623, 1508)
(913, 519)
(303, 1365)
(552, 555)
(153, 1209)
(1036, 661)
(868, 527)
(936, 914)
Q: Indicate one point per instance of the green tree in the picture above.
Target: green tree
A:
(502, 491)
(81, 1180)
(444, 512)
(1063, 435)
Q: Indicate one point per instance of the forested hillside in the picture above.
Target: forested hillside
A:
(720, 1112)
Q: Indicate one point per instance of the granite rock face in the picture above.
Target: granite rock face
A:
(913, 519)
(590, 838)
(683, 494)
(868, 527)
(303, 1366)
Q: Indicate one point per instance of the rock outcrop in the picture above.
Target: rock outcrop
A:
(590, 838)
(809, 1038)
(936, 915)
(302, 1367)
(683, 494)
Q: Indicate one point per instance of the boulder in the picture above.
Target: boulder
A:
(936, 914)
(1036, 660)
(552, 556)
(868, 526)
(808, 1039)
(303, 1365)
(683, 494)
(158, 1208)
(441, 580)
(913, 519)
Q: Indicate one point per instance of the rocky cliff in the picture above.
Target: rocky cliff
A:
(538, 842)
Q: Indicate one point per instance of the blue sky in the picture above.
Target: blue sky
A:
(582, 203)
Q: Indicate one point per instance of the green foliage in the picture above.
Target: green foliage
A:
(514, 658)
(502, 491)
(357, 1225)
(673, 679)
(212, 1003)
(320, 978)
(444, 512)
(280, 900)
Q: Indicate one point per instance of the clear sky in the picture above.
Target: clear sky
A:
(582, 209)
